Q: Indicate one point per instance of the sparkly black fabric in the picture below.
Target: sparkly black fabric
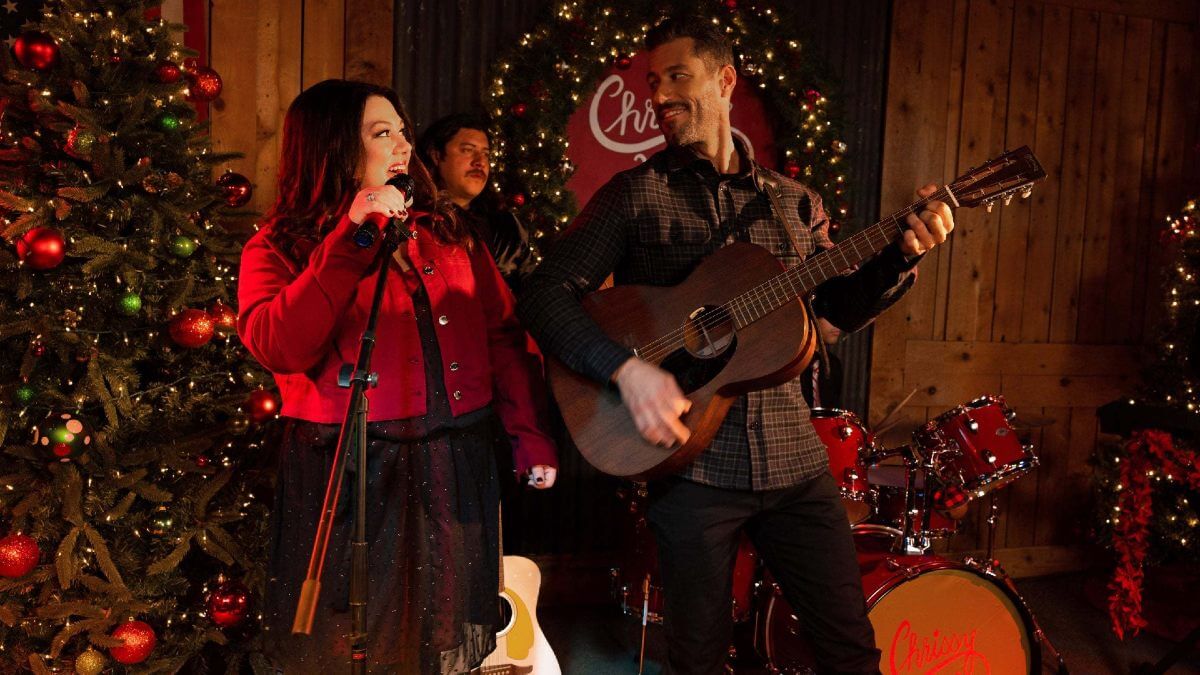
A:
(432, 533)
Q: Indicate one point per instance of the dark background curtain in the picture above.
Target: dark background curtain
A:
(443, 55)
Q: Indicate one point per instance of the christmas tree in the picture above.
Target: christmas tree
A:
(132, 420)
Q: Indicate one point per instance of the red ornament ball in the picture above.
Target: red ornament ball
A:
(235, 189)
(204, 84)
(139, 638)
(517, 200)
(35, 50)
(812, 95)
(519, 109)
(192, 328)
(262, 405)
(730, 5)
(202, 461)
(168, 73)
(80, 143)
(624, 62)
(19, 554)
(42, 248)
(228, 604)
(38, 348)
(224, 316)
(792, 168)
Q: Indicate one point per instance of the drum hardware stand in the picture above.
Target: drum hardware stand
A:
(645, 619)
(914, 543)
(993, 568)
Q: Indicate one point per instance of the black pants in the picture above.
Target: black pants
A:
(803, 537)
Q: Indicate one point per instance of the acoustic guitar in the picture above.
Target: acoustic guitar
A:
(521, 646)
(737, 324)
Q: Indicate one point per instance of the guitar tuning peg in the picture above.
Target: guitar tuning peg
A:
(1026, 192)
(1007, 199)
(989, 205)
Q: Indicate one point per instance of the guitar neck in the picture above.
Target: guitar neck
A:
(803, 278)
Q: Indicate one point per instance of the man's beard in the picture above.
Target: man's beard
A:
(686, 133)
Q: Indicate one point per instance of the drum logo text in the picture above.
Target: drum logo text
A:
(936, 654)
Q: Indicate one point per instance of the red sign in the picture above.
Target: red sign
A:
(614, 128)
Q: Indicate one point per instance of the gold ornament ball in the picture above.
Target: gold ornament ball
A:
(90, 662)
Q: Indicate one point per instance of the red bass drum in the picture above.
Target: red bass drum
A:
(930, 615)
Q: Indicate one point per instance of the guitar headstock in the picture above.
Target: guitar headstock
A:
(1011, 173)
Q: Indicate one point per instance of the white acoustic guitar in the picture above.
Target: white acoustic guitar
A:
(521, 646)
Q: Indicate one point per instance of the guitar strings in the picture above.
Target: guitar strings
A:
(663, 345)
(749, 302)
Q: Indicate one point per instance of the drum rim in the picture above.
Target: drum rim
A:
(987, 399)
(824, 412)
(999, 580)
(1002, 475)
(869, 444)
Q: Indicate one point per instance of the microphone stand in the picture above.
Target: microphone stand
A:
(351, 439)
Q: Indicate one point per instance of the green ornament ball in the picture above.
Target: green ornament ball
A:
(24, 395)
(130, 303)
(183, 246)
(161, 522)
(169, 122)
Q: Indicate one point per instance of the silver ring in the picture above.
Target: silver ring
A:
(370, 196)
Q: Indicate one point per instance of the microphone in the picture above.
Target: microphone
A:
(367, 233)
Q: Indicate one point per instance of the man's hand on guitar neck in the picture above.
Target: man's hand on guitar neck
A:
(655, 401)
(929, 228)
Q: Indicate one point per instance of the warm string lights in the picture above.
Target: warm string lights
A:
(124, 447)
(1148, 487)
(536, 87)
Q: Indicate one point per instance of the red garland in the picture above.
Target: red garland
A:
(1146, 451)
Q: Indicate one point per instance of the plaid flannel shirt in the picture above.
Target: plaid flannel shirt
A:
(651, 225)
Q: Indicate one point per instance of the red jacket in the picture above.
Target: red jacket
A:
(303, 321)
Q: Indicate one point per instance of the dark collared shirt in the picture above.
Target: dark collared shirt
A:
(651, 225)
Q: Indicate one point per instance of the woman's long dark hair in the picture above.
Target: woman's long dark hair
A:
(322, 151)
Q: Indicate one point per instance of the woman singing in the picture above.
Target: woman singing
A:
(449, 355)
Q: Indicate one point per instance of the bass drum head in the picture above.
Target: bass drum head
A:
(952, 619)
(930, 616)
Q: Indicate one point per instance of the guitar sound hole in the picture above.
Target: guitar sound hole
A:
(708, 332)
(507, 612)
(709, 342)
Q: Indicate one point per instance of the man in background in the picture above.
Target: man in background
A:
(457, 150)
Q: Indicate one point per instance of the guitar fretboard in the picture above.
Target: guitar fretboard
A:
(760, 301)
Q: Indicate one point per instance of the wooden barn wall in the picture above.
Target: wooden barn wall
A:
(437, 55)
(1045, 301)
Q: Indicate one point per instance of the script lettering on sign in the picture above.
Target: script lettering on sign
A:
(615, 128)
(938, 653)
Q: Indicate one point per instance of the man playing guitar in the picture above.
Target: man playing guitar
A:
(766, 472)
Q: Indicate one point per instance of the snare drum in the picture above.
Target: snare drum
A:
(889, 500)
(974, 447)
(930, 615)
(848, 443)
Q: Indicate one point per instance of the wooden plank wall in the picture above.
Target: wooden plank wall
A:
(1045, 301)
(268, 51)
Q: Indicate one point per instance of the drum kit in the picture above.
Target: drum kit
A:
(930, 613)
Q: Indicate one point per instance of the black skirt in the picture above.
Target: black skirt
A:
(432, 531)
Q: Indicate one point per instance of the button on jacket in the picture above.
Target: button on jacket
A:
(304, 304)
